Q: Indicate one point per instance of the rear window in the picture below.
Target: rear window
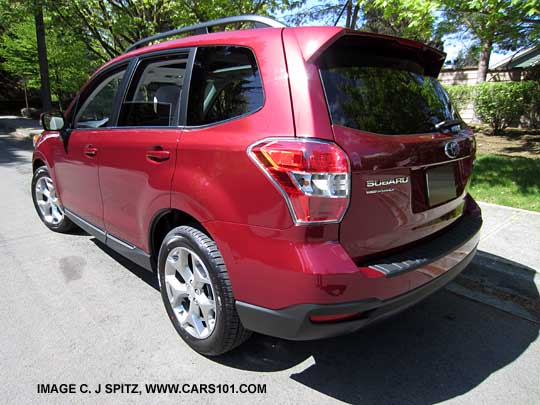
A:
(225, 84)
(386, 97)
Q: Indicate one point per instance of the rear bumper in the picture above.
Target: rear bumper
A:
(282, 277)
(294, 322)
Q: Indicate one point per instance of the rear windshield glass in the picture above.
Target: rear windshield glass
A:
(388, 100)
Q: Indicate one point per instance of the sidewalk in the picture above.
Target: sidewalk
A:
(511, 233)
(506, 270)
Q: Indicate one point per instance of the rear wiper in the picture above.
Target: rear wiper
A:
(447, 124)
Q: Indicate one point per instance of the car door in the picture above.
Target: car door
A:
(137, 157)
(76, 161)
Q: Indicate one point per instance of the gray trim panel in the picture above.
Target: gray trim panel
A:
(93, 230)
(127, 250)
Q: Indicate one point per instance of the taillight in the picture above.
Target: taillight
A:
(312, 175)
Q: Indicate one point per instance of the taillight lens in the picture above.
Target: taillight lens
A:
(312, 175)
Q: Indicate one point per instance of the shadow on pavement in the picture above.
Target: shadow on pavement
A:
(12, 122)
(10, 148)
(437, 350)
(145, 275)
(505, 284)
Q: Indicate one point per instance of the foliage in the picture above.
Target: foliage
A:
(467, 57)
(69, 63)
(505, 180)
(414, 19)
(81, 34)
(499, 24)
(324, 12)
(108, 27)
(461, 95)
(531, 101)
(499, 104)
(507, 23)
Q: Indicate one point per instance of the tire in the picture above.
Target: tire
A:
(51, 214)
(188, 286)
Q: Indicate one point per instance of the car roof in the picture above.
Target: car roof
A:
(310, 40)
(215, 38)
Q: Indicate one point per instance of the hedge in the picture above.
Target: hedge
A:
(460, 94)
(501, 104)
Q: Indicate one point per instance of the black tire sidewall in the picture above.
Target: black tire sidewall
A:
(212, 344)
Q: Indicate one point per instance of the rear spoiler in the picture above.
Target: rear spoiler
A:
(314, 41)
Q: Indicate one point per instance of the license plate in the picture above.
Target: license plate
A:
(441, 184)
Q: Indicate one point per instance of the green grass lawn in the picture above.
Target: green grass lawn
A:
(510, 181)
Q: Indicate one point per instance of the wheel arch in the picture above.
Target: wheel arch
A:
(37, 163)
(164, 221)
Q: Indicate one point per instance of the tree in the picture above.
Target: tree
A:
(503, 24)
(81, 34)
(414, 19)
(467, 57)
(42, 57)
(68, 59)
(108, 27)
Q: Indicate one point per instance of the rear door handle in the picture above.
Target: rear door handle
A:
(158, 154)
(90, 150)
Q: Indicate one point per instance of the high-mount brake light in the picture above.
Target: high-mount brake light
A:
(312, 175)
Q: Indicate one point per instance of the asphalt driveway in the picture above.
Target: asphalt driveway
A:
(72, 311)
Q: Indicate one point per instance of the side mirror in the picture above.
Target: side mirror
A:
(53, 121)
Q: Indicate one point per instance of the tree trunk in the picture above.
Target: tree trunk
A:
(354, 18)
(25, 95)
(42, 56)
(349, 14)
(483, 63)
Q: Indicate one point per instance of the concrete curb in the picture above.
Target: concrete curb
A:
(503, 284)
(521, 275)
(504, 207)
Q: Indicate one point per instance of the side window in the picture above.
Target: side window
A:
(225, 83)
(153, 98)
(97, 108)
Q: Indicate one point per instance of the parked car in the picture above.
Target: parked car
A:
(296, 182)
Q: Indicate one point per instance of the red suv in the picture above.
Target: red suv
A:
(296, 182)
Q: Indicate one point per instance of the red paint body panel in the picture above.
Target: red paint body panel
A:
(214, 181)
(76, 174)
(311, 117)
(133, 186)
(380, 222)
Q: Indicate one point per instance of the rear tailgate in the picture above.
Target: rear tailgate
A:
(410, 158)
(390, 206)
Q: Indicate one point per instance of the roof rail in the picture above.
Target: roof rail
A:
(203, 28)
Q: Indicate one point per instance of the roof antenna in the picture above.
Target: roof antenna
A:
(341, 12)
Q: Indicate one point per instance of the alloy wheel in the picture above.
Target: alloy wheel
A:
(49, 206)
(190, 292)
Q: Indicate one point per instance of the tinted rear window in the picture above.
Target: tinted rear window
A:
(385, 98)
(225, 84)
